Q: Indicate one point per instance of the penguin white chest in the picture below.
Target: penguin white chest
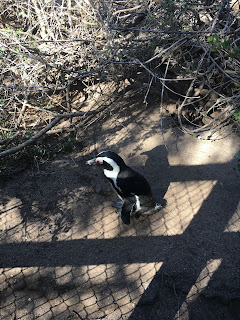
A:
(112, 175)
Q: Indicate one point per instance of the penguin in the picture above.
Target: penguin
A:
(132, 188)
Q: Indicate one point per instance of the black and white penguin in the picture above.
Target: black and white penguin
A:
(131, 187)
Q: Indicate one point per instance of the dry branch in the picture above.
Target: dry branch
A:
(38, 135)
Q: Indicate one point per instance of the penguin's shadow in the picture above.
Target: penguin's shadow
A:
(157, 172)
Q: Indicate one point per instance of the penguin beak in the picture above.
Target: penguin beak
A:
(93, 162)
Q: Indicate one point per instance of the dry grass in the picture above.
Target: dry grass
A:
(66, 59)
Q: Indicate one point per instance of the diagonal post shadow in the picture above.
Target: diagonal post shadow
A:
(185, 263)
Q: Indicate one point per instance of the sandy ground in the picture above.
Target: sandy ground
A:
(65, 254)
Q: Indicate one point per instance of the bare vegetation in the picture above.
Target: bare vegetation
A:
(65, 63)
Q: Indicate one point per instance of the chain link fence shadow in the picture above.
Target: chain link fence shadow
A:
(77, 260)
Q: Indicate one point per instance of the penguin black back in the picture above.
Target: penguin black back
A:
(132, 183)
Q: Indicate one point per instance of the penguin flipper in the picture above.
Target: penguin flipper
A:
(127, 209)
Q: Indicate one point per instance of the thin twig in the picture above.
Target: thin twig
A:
(161, 32)
(162, 79)
(68, 103)
(188, 92)
(161, 103)
(126, 10)
(217, 65)
(149, 86)
(161, 53)
(22, 112)
(216, 18)
(36, 108)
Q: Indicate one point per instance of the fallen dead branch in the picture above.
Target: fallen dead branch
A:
(38, 135)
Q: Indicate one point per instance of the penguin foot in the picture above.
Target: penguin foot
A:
(118, 211)
(158, 206)
(149, 211)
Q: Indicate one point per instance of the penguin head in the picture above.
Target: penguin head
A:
(111, 158)
(108, 160)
